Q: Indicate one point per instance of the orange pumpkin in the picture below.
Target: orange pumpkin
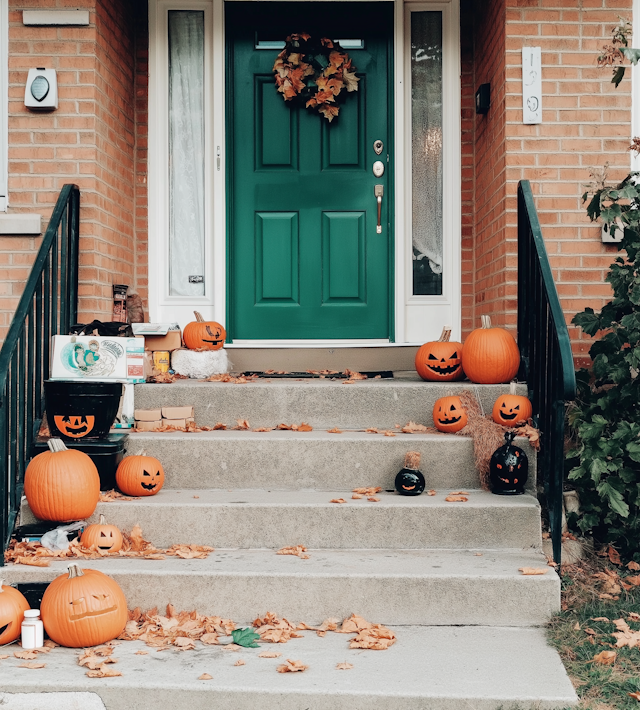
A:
(512, 408)
(449, 415)
(204, 334)
(62, 484)
(83, 608)
(12, 608)
(104, 537)
(490, 355)
(440, 360)
(74, 426)
(140, 475)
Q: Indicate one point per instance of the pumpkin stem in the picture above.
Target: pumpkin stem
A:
(142, 452)
(412, 460)
(512, 387)
(198, 316)
(486, 321)
(446, 334)
(103, 520)
(74, 571)
(56, 445)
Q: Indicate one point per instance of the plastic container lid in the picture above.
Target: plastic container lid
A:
(32, 613)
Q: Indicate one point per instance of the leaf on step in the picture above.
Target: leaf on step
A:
(275, 630)
(344, 666)
(240, 662)
(372, 430)
(141, 653)
(459, 493)
(335, 430)
(33, 561)
(374, 499)
(50, 644)
(205, 676)
(292, 666)
(305, 427)
(533, 570)
(356, 496)
(354, 375)
(285, 427)
(219, 426)
(263, 428)
(138, 543)
(431, 492)
(532, 434)
(25, 655)
(297, 550)
(183, 643)
(369, 491)
(245, 637)
(605, 658)
(269, 654)
(413, 428)
(389, 433)
(243, 425)
(113, 495)
(456, 499)
(103, 672)
(32, 665)
(210, 639)
(190, 552)
(376, 638)
(354, 624)
(4, 656)
(337, 500)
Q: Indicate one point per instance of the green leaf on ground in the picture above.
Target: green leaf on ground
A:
(245, 637)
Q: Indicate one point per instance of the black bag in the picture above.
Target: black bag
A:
(113, 329)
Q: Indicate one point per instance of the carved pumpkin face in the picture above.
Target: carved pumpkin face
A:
(204, 334)
(106, 538)
(83, 608)
(449, 414)
(511, 408)
(440, 360)
(140, 475)
(12, 608)
(508, 468)
(410, 482)
(74, 426)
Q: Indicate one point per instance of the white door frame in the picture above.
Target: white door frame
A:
(417, 318)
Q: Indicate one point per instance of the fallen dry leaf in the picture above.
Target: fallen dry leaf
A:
(4, 656)
(389, 433)
(635, 696)
(210, 639)
(605, 658)
(344, 666)
(32, 665)
(337, 500)
(292, 667)
(589, 631)
(614, 556)
(633, 566)
(374, 499)
(25, 655)
(142, 653)
(456, 499)
(600, 618)
(354, 624)
(371, 430)
(205, 676)
(369, 491)
(532, 571)
(275, 630)
(335, 430)
(103, 672)
(305, 427)
(32, 561)
(634, 581)
(459, 493)
(356, 496)
(50, 644)
(413, 428)
(263, 428)
(376, 638)
(113, 495)
(633, 616)
(532, 434)
(297, 550)
(239, 662)
(431, 492)
(625, 636)
(269, 654)
(577, 626)
(243, 425)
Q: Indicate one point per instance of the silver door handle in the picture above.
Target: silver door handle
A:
(378, 191)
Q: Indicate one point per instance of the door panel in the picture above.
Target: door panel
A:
(306, 260)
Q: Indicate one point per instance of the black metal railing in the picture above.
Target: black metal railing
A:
(547, 360)
(49, 305)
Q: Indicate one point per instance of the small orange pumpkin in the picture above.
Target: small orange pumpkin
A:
(490, 355)
(12, 608)
(140, 475)
(74, 426)
(62, 484)
(512, 408)
(449, 415)
(440, 360)
(83, 608)
(201, 334)
(104, 537)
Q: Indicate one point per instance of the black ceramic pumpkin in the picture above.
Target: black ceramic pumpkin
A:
(508, 469)
(410, 481)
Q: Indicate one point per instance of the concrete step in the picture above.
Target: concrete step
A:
(402, 587)
(272, 518)
(316, 459)
(433, 668)
(321, 403)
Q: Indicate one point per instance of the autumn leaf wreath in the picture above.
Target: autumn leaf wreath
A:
(316, 74)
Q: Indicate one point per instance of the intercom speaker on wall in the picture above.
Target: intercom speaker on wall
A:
(41, 91)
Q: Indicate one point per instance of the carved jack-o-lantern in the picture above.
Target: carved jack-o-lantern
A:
(440, 360)
(511, 408)
(508, 468)
(140, 475)
(449, 415)
(83, 608)
(104, 537)
(74, 426)
(12, 608)
(204, 334)
(410, 481)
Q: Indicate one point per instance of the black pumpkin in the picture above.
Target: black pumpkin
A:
(508, 469)
(410, 481)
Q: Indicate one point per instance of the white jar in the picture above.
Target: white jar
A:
(32, 630)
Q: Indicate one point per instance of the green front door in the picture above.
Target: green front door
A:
(306, 258)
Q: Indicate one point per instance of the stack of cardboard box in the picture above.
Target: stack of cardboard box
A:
(158, 337)
(153, 419)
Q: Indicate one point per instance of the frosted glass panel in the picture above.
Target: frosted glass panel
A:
(426, 151)
(186, 153)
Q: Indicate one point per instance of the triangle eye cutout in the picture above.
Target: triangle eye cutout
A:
(454, 356)
(432, 357)
(517, 408)
(452, 408)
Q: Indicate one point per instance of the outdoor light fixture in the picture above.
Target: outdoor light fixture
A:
(483, 98)
(41, 91)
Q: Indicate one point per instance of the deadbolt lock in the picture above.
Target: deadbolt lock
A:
(378, 168)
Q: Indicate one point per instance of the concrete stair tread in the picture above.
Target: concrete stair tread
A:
(445, 668)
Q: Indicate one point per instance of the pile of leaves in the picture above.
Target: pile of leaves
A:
(134, 545)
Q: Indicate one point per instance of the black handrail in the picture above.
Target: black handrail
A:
(547, 360)
(49, 305)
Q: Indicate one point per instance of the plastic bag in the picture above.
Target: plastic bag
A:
(58, 539)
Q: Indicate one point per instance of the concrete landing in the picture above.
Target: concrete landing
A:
(415, 587)
(275, 518)
(434, 668)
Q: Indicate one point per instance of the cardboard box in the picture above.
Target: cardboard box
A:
(149, 426)
(178, 423)
(124, 417)
(177, 412)
(147, 415)
(159, 336)
(97, 358)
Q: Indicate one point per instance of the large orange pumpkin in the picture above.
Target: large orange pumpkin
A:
(204, 334)
(512, 408)
(140, 475)
(62, 484)
(83, 608)
(440, 360)
(490, 355)
(12, 608)
(449, 415)
(105, 537)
